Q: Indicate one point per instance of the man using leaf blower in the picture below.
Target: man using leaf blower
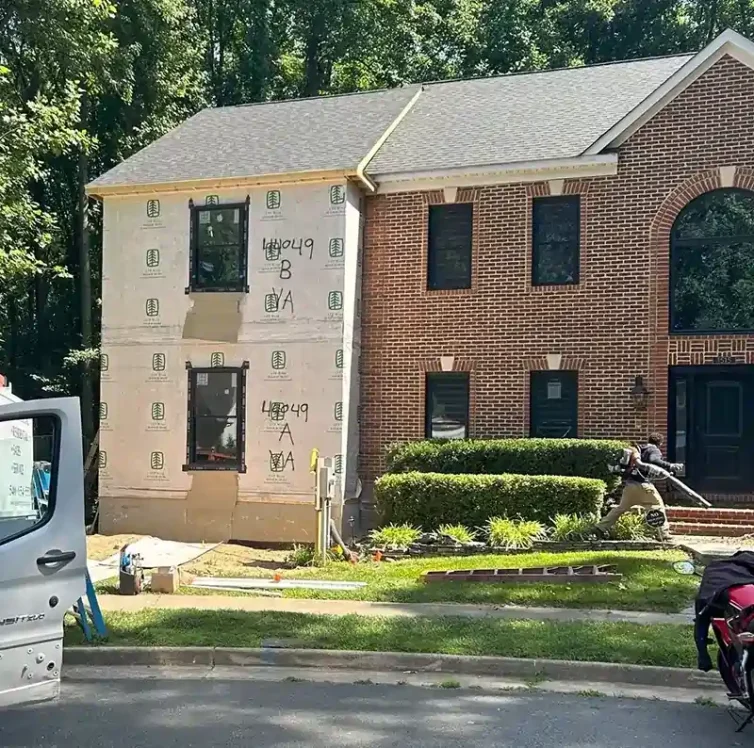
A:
(638, 467)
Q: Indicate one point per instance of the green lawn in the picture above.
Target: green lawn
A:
(649, 582)
(662, 645)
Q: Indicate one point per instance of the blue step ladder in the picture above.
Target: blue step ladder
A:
(88, 618)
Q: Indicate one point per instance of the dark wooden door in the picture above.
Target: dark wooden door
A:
(714, 427)
(723, 432)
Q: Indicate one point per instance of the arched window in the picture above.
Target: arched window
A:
(712, 264)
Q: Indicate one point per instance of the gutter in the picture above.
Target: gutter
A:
(361, 168)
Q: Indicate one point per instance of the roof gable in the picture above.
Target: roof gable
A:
(728, 43)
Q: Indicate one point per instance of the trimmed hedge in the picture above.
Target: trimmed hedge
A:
(431, 499)
(586, 458)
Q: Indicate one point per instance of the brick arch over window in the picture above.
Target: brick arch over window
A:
(659, 281)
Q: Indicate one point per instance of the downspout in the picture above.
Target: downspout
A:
(361, 168)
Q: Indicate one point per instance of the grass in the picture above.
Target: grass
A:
(663, 645)
(649, 580)
(450, 683)
(705, 701)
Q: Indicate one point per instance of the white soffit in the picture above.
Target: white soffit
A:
(729, 43)
(598, 165)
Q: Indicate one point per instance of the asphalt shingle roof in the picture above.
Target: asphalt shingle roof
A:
(334, 132)
(453, 124)
(515, 118)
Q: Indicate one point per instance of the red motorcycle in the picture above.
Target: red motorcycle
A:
(734, 632)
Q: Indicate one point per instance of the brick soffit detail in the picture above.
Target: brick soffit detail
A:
(533, 189)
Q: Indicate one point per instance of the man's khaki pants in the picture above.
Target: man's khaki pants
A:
(644, 495)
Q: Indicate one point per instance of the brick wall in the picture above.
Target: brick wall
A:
(611, 327)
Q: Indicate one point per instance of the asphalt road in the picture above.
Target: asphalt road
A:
(236, 713)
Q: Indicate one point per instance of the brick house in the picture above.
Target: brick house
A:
(549, 254)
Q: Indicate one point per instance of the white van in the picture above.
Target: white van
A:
(42, 542)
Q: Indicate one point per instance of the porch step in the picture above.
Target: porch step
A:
(711, 516)
(722, 530)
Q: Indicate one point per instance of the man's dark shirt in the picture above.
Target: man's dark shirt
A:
(650, 454)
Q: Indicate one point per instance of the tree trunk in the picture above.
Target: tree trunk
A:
(85, 282)
(313, 64)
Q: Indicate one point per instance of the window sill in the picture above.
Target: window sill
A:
(239, 291)
(448, 291)
(203, 467)
(555, 287)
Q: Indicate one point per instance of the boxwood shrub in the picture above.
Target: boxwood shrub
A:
(585, 458)
(431, 499)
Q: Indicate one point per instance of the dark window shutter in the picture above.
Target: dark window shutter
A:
(554, 407)
(450, 232)
(447, 405)
(555, 240)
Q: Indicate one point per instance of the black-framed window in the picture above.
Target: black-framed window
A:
(449, 246)
(712, 264)
(554, 404)
(556, 230)
(216, 431)
(447, 405)
(219, 247)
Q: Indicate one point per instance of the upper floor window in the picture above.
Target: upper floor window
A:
(712, 264)
(219, 240)
(449, 261)
(216, 412)
(555, 240)
(447, 405)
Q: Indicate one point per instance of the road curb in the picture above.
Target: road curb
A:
(499, 667)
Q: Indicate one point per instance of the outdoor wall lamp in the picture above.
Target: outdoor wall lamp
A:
(639, 393)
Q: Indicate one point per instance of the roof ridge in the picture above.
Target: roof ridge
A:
(495, 76)
(319, 97)
(545, 71)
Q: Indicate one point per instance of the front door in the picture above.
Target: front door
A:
(42, 542)
(712, 427)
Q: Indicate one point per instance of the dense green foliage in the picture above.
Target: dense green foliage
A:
(85, 83)
(585, 458)
(430, 499)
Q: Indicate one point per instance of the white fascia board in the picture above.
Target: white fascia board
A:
(599, 165)
(728, 43)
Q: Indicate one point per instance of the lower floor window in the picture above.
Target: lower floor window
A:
(554, 412)
(447, 405)
(216, 412)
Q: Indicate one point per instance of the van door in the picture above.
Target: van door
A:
(42, 542)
